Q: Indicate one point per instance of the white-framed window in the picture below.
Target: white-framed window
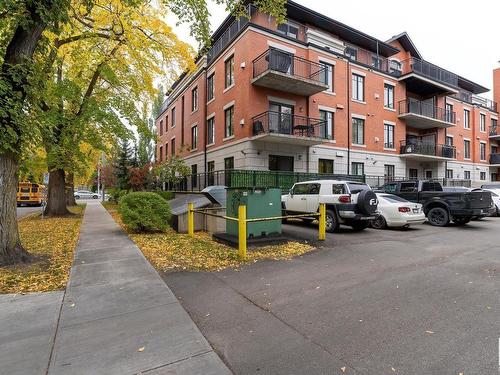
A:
(194, 99)
(482, 176)
(482, 122)
(467, 175)
(358, 87)
(211, 87)
(211, 130)
(388, 96)
(229, 122)
(289, 29)
(466, 119)
(358, 131)
(326, 130)
(357, 169)
(482, 151)
(229, 72)
(194, 137)
(326, 75)
(388, 136)
(449, 173)
(389, 171)
(466, 149)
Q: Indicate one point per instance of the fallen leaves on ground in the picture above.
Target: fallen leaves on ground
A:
(51, 241)
(171, 251)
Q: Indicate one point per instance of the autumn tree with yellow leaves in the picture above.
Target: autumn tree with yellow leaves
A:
(71, 72)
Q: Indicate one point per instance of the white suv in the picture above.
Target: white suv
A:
(348, 203)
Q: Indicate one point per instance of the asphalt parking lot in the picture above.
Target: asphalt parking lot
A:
(417, 301)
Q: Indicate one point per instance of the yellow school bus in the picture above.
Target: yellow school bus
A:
(30, 194)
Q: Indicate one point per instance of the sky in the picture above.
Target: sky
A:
(456, 35)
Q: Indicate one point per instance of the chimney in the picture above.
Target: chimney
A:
(496, 85)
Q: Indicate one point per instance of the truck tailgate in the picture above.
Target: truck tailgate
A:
(479, 199)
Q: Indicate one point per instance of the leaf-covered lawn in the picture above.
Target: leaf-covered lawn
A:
(51, 241)
(171, 251)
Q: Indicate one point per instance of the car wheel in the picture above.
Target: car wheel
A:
(95, 196)
(332, 224)
(438, 217)
(359, 226)
(378, 223)
(77, 197)
(461, 220)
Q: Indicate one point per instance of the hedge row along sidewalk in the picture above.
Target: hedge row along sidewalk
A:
(51, 241)
(171, 251)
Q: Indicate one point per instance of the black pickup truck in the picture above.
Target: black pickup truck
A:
(441, 207)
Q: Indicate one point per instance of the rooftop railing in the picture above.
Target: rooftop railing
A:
(429, 70)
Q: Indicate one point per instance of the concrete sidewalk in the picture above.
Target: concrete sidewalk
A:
(117, 316)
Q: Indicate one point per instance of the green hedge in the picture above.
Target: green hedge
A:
(167, 195)
(144, 212)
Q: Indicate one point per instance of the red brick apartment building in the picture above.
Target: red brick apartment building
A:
(315, 95)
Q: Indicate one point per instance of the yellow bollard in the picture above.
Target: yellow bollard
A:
(242, 231)
(322, 222)
(191, 219)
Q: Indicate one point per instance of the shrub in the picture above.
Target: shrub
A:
(167, 195)
(144, 212)
(115, 194)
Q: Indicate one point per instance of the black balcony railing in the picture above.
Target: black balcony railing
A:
(494, 158)
(288, 124)
(485, 103)
(428, 149)
(431, 71)
(286, 63)
(493, 131)
(427, 110)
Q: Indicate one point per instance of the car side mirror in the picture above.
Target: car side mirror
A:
(290, 192)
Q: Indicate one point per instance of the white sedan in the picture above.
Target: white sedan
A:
(397, 212)
(85, 194)
(496, 199)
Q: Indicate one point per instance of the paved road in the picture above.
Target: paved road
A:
(23, 211)
(419, 301)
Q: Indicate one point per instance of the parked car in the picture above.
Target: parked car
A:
(347, 203)
(395, 211)
(85, 194)
(492, 187)
(496, 201)
(493, 209)
(440, 206)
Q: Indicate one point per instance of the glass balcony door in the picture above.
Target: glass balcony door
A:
(280, 118)
(280, 61)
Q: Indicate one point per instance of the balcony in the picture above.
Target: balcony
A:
(424, 78)
(422, 115)
(283, 71)
(422, 151)
(495, 159)
(290, 129)
(494, 133)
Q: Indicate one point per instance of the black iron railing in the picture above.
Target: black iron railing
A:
(485, 103)
(251, 178)
(288, 124)
(493, 130)
(494, 158)
(427, 110)
(368, 58)
(429, 149)
(378, 181)
(429, 70)
(287, 63)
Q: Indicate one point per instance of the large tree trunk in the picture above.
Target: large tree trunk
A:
(70, 190)
(56, 197)
(11, 250)
(14, 81)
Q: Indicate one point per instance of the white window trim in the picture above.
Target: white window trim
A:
(281, 47)
(211, 115)
(387, 122)
(358, 101)
(326, 61)
(358, 72)
(229, 87)
(393, 84)
(228, 55)
(361, 117)
(325, 108)
(228, 105)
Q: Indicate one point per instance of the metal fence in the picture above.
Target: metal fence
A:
(283, 180)
(429, 149)
(428, 110)
(429, 70)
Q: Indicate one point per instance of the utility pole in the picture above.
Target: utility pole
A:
(103, 159)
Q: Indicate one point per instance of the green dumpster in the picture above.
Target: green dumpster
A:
(261, 203)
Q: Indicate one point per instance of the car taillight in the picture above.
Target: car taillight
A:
(345, 199)
(404, 209)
